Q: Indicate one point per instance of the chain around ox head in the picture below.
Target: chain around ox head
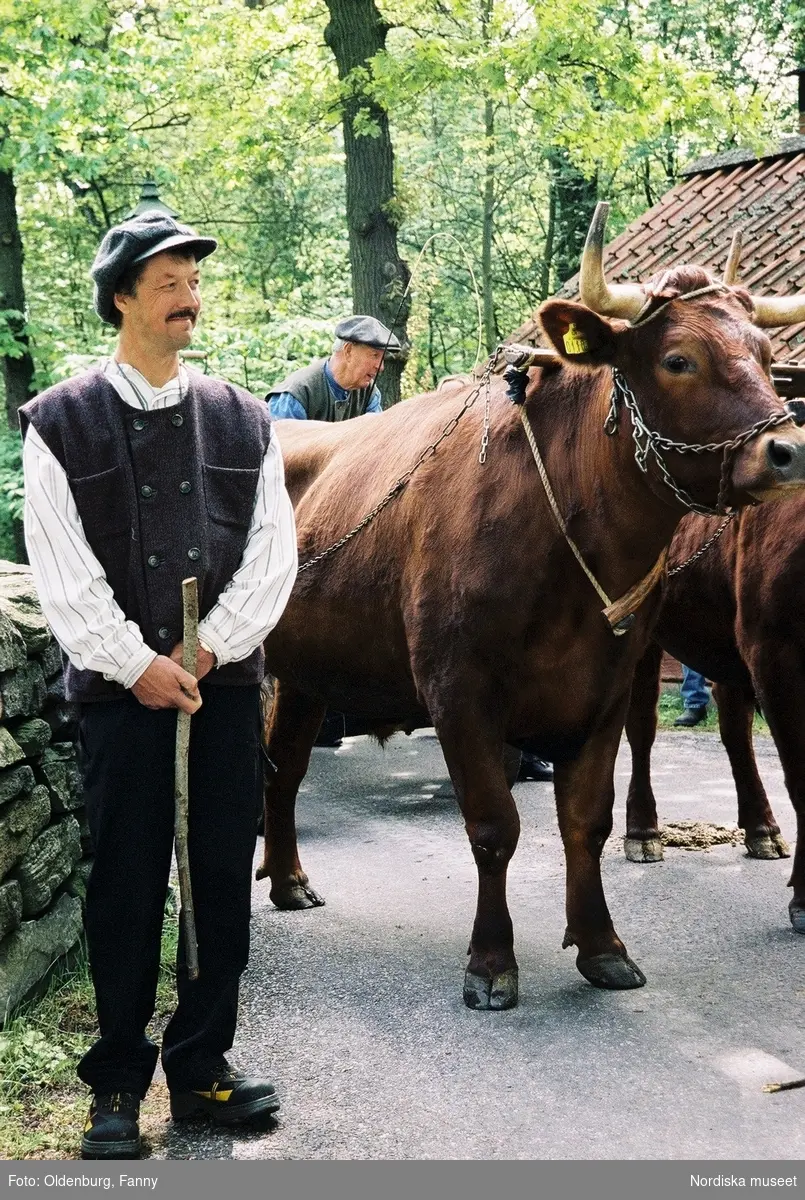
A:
(647, 442)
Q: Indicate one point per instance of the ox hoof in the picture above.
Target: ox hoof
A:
(643, 850)
(295, 895)
(492, 994)
(766, 845)
(611, 971)
(796, 910)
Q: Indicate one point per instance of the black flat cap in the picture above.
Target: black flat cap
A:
(132, 242)
(367, 331)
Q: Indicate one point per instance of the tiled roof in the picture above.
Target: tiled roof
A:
(695, 221)
(734, 158)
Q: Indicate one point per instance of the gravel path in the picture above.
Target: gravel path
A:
(355, 1008)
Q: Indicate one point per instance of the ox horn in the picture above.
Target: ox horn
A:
(608, 299)
(769, 310)
(734, 258)
(778, 310)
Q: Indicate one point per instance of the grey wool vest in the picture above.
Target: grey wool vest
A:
(162, 495)
(309, 386)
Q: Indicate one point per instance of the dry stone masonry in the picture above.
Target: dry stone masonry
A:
(44, 839)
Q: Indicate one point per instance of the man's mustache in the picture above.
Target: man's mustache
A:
(181, 313)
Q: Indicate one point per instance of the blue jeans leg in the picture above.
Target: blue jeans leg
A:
(694, 689)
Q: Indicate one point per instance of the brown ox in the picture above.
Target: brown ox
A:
(462, 606)
(736, 616)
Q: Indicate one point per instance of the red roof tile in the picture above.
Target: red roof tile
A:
(695, 221)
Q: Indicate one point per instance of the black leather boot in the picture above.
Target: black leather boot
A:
(226, 1096)
(332, 730)
(691, 717)
(112, 1129)
(533, 768)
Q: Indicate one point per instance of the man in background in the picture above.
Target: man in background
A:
(342, 386)
(695, 697)
(336, 389)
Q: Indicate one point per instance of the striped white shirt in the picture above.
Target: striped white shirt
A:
(75, 595)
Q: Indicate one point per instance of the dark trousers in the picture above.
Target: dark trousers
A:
(128, 755)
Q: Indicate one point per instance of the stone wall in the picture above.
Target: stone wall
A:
(44, 839)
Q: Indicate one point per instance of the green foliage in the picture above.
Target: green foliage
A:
(670, 707)
(496, 108)
(11, 489)
(12, 324)
(41, 1099)
(30, 1059)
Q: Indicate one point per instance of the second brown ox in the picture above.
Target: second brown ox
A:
(736, 615)
(461, 604)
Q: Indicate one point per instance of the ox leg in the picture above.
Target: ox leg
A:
(762, 835)
(783, 711)
(292, 723)
(642, 842)
(474, 758)
(585, 795)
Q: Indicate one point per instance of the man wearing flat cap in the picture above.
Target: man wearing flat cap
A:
(343, 385)
(140, 473)
(336, 389)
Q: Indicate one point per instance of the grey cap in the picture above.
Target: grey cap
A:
(134, 241)
(367, 331)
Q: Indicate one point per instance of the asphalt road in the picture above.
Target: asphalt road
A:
(355, 1009)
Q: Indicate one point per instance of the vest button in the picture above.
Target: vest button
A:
(194, 554)
(164, 632)
(138, 423)
(177, 419)
(185, 487)
(147, 492)
(153, 561)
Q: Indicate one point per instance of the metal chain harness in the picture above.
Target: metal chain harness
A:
(647, 442)
(711, 541)
(397, 487)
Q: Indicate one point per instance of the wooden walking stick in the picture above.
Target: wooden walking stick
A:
(783, 1087)
(181, 790)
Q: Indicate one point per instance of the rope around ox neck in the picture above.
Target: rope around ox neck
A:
(640, 319)
(619, 614)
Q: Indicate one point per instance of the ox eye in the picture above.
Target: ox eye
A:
(677, 364)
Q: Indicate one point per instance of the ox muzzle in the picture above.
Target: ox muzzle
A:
(771, 465)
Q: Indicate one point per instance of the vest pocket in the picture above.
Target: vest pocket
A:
(102, 504)
(230, 494)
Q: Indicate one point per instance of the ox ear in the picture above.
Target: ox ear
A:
(579, 334)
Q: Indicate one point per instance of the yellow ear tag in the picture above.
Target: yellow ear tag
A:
(574, 342)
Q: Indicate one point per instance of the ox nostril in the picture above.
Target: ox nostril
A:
(781, 454)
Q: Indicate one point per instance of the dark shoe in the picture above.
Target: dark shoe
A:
(691, 717)
(331, 731)
(112, 1129)
(533, 768)
(226, 1096)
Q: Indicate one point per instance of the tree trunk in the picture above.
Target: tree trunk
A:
(550, 233)
(490, 326)
(18, 372)
(488, 232)
(670, 155)
(576, 198)
(355, 33)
